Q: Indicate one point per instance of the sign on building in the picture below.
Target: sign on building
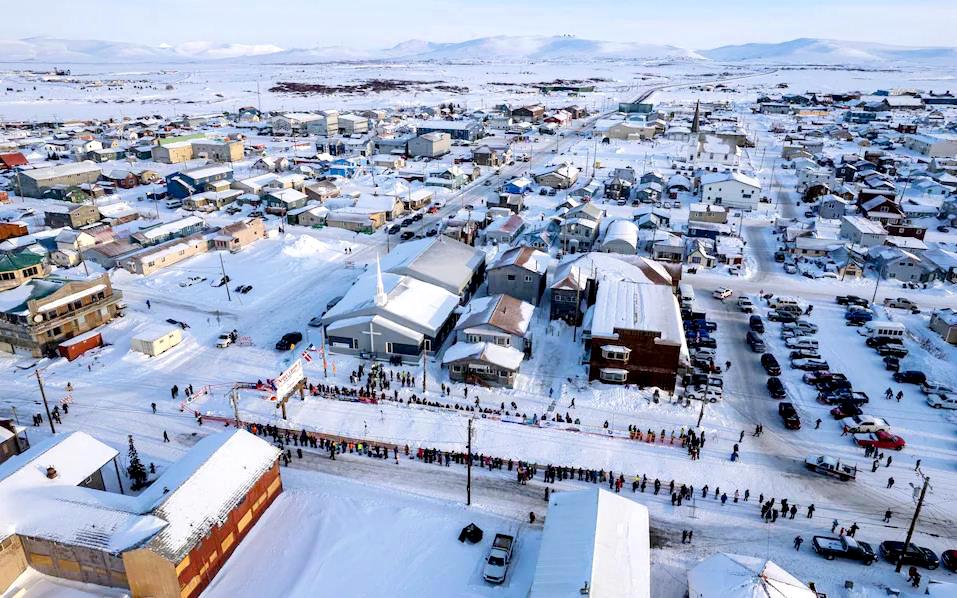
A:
(287, 381)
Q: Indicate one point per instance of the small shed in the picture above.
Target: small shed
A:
(156, 340)
(78, 345)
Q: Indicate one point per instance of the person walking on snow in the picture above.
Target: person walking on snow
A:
(834, 525)
(798, 540)
(890, 482)
(887, 516)
(165, 436)
(153, 406)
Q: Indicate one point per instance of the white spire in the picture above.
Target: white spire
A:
(380, 297)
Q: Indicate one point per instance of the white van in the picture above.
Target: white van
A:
(784, 301)
(686, 293)
(875, 328)
(174, 203)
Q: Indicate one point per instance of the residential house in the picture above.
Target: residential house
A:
(210, 201)
(281, 201)
(932, 146)
(705, 212)
(359, 220)
(13, 441)
(39, 314)
(518, 186)
(519, 272)
(862, 231)
(181, 185)
(460, 130)
(73, 215)
(219, 150)
(731, 190)
(492, 338)
(234, 237)
(579, 229)
(558, 176)
(833, 207)
(165, 231)
(533, 113)
(292, 123)
(700, 252)
(391, 206)
(17, 268)
(944, 322)
(309, 215)
(452, 177)
(503, 231)
(152, 258)
(714, 152)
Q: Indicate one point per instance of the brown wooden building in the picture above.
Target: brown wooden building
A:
(634, 335)
(170, 541)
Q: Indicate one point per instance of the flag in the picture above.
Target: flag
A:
(307, 356)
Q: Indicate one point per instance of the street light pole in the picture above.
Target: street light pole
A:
(913, 523)
(43, 395)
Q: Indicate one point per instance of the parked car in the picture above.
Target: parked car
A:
(816, 378)
(934, 387)
(857, 424)
(755, 341)
(789, 416)
(804, 353)
(892, 551)
(782, 316)
(846, 409)
(706, 342)
(830, 466)
(756, 324)
(843, 396)
(721, 293)
(406, 235)
(394, 229)
(289, 341)
(776, 388)
(897, 351)
(858, 318)
(892, 364)
(770, 364)
(225, 340)
(809, 364)
(942, 400)
(881, 440)
(801, 342)
(843, 547)
(745, 304)
(499, 556)
(902, 303)
(910, 377)
(881, 341)
(711, 394)
(800, 324)
(852, 300)
(948, 559)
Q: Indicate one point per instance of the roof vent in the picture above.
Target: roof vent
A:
(51, 473)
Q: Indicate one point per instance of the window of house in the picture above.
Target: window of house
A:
(501, 341)
(509, 277)
(457, 369)
(427, 345)
(615, 353)
(613, 375)
(528, 278)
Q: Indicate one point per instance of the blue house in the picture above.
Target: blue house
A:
(466, 130)
(184, 184)
(519, 185)
(344, 167)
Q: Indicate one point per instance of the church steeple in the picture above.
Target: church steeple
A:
(380, 296)
(696, 122)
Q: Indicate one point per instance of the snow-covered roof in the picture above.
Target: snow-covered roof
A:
(722, 177)
(508, 358)
(439, 260)
(622, 230)
(524, 257)
(597, 538)
(418, 305)
(60, 170)
(626, 305)
(197, 493)
(735, 576)
(207, 172)
(500, 311)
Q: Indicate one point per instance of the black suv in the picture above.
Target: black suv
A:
(756, 324)
(915, 555)
(776, 388)
(910, 377)
(289, 341)
(770, 365)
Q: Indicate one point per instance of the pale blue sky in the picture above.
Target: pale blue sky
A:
(380, 23)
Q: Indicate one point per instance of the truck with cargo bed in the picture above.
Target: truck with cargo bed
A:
(844, 548)
(831, 467)
(499, 556)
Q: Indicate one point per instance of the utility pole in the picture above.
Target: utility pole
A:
(425, 368)
(877, 283)
(913, 523)
(43, 394)
(234, 399)
(468, 463)
(701, 414)
(222, 268)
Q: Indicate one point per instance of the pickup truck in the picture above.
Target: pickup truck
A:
(843, 547)
(832, 467)
(902, 303)
(499, 556)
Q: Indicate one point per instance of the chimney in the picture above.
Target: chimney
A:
(51, 472)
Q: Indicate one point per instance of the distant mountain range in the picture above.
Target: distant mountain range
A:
(49, 50)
